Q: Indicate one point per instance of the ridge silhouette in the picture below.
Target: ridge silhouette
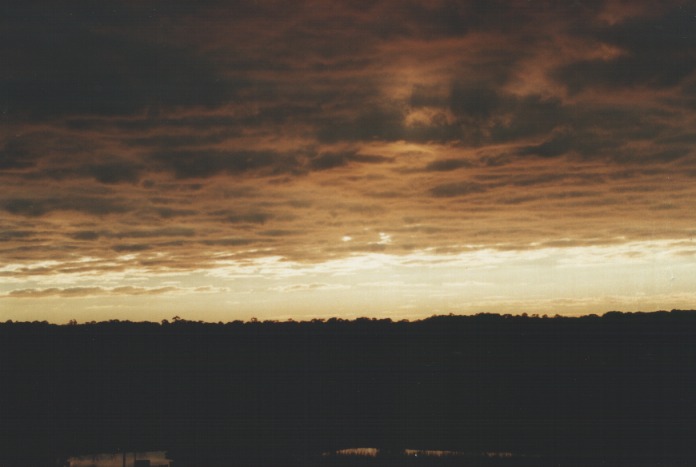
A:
(620, 388)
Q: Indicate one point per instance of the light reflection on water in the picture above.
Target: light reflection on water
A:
(374, 452)
(361, 452)
(156, 458)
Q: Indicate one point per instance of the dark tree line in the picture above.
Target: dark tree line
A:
(618, 387)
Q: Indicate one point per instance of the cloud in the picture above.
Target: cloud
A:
(114, 172)
(625, 71)
(230, 242)
(80, 292)
(15, 155)
(556, 146)
(446, 165)
(75, 61)
(204, 137)
(528, 116)
(245, 218)
(153, 233)
(109, 172)
(168, 213)
(315, 286)
(208, 162)
(448, 190)
(26, 149)
(35, 207)
(86, 235)
(657, 51)
(474, 101)
(376, 123)
(169, 138)
(132, 247)
(279, 233)
(8, 235)
(480, 115)
(65, 156)
(332, 160)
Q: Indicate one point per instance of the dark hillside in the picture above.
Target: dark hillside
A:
(619, 387)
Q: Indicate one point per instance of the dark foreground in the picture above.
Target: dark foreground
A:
(613, 390)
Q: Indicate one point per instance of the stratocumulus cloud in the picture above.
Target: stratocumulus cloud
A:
(162, 138)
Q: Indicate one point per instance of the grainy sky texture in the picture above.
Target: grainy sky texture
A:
(220, 160)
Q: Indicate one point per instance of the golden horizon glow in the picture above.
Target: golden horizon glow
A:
(639, 276)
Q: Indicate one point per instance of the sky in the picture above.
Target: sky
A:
(220, 160)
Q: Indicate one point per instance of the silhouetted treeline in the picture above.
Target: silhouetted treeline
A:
(620, 387)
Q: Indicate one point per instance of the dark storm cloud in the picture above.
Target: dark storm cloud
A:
(452, 19)
(682, 138)
(52, 155)
(110, 171)
(15, 155)
(230, 242)
(376, 123)
(469, 105)
(368, 158)
(593, 145)
(603, 131)
(63, 59)
(169, 213)
(246, 218)
(448, 190)
(510, 185)
(154, 233)
(209, 162)
(35, 207)
(665, 156)
(530, 179)
(658, 51)
(428, 96)
(556, 146)
(482, 115)
(86, 235)
(8, 235)
(330, 160)
(139, 123)
(474, 101)
(657, 71)
(25, 149)
(528, 116)
(131, 248)
(181, 140)
(280, 233)
(114, 172)
(446, 165)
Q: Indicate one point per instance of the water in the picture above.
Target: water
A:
(156, 458)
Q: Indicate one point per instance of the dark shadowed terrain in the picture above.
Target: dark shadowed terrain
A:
(613, 390)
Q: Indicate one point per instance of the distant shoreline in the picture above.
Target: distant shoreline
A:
(177, 319)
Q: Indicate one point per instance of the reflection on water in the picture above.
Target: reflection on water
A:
(133, 459)
(375, 452)
(432, 453)
(361, 452)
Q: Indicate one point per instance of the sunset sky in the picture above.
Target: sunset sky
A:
(222, 160)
